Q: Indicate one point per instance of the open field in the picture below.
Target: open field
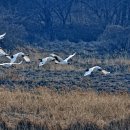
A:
(68, 76)
(44, 108)
(56, 97)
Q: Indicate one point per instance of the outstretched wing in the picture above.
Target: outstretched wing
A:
(2, 52)
(13, 57)
(17, 63)
(8, 57)
(88, 72)
(70, 57)
(43, 61)
(96, 68)
(57, 58)
(105, 72)
(26, 58)
(2, 36)
(46, 60)
(5, 64)
(9, 64)
(50, 59)
(2, 64)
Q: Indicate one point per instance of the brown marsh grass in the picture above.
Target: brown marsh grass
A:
(47, 106)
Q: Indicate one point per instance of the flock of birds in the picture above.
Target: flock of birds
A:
(53, 57)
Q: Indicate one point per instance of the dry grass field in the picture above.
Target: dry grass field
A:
(67, 76)
(44, 108)
(56, 97)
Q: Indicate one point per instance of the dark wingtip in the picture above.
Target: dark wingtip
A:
(99, 69)
(12, 56)
(40, 59)
(87, 70)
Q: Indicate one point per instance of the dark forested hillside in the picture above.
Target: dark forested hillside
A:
(36, 21)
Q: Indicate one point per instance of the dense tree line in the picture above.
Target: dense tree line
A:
(74, 20)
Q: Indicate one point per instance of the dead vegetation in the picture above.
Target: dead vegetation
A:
(68, 76)
(43, 106)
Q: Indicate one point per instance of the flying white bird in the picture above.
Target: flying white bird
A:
(10, 64)
(95, 68)
(14, 57)
(59, 60)
(46, 60)
(3, 53)
(2, 36)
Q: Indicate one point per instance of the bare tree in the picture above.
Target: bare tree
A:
(109, 11)
(63, 9)
(45, 9)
